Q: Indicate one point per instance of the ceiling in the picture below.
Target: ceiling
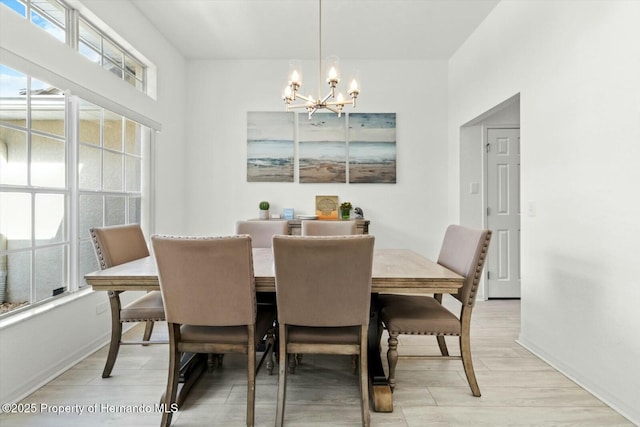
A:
(286, 29)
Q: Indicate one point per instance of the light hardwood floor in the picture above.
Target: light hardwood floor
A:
(518, 389)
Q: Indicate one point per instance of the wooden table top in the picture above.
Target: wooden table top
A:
(394, 271)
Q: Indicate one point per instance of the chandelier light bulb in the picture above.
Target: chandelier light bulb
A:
(354, 86)
(288, 94)
(295, 77)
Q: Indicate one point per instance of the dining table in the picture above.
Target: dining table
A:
(394, 271)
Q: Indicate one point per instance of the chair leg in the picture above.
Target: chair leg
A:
(465, 350)
(270, 343)
(364, 378)
(173, 376)
(392, 358)
(282, 376)
(291, 360)
(251, 379)
(116, 333)
(443, 345)
(148, 330)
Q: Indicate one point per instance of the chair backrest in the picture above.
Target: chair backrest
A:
(328, 228)
(118, 244)
(464, 251)
(323, 281)
(206, 280)
(262, 232)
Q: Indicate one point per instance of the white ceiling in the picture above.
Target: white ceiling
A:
(285, 29)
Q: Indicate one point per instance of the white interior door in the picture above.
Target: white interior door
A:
(503, 213)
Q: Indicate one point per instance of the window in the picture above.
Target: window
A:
(99, 49)
(38, 185)
(52, 16)
(34, 239)
(109, 175)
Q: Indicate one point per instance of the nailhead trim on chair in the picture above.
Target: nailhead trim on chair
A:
(96, 244)
(478, 274)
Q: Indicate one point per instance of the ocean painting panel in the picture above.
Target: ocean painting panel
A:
(322, 149)
(372, 148)
(270, 148)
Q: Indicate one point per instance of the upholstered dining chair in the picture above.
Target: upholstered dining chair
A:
(262, 232)
(208, 290)
(117, 245)
(328, 228)
(463, 251)
(323, 286)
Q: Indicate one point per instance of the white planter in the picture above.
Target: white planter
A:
(264, 214)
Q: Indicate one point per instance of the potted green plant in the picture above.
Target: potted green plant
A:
(264, 210)
(345, 210)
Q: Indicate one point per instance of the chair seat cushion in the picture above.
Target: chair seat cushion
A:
(229, 334)
(408, 314)
(323, 335)
(148, 307)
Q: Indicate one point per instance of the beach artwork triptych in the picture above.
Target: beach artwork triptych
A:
(354, 148)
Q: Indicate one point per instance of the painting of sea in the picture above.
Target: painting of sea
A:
(322, 148)
(372, 148)
(270, 146)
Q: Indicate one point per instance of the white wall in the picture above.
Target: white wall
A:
(576, 67)
(36, 349)
(411, 213)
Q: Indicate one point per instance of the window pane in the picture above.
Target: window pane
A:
(13, 156)
(13, 96)
(89, 168)
(15, 219)
(88, 261)
(50, 218)
(133, 173)
(133, 67)
(48, 25)
(91, 54)
(133, 81)
(115, 213)
(50, 271)
(112, 172)
(18, 269)
(17, 6)
(90, 214)
(90, 123)
(52, 9)
(47, 162)
(113, 53)
(132, 137)
(47, 108)
(134, 210)
(112, 131)
(89, 35)
(110, 66)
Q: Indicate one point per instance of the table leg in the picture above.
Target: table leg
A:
(378, 385)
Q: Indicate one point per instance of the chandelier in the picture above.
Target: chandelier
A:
(330, 101)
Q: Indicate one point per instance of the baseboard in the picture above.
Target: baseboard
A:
(51, 372)
(632, 413)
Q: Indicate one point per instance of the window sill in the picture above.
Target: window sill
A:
(39, 309)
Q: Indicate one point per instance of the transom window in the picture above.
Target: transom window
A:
(53, 16)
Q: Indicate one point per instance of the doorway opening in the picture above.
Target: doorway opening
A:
(490, 193)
